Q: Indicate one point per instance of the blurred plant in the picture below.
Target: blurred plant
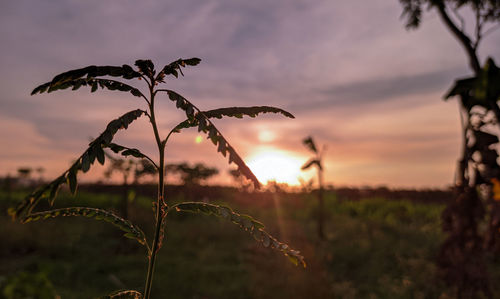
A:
(462, 256)
(316, 161)
(306, 186)
(192, 174)
(92, 77)
(40, 171)
(24, 172)
(241, 182)
(142, 169)
(27, 285)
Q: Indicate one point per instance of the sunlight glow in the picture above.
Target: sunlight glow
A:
(271, 164)
(198, 139)
(266, 136)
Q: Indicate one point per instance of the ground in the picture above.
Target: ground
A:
(375, 248)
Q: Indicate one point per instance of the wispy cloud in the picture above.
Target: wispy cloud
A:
(348, 70)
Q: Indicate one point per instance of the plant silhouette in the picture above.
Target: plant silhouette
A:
(97, 77)
(128, 168)
(462, 256)
(316, 161)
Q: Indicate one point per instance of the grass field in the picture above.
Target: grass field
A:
(375, 248)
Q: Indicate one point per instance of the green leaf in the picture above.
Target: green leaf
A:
(240, 111)
(91, 82)
(100, 155)
(130, 230)
(70, 175)
(53, 194)
(124, 294)
(120, 123)
(72, 181)
(41, 89)
(173, 67)
(192, 61)
(201, 119)
(125, 151)
(146, 67)
(94, 86)
(54, 188)
(245, 222)
(124, 71)
(116, 85)
(85, 162)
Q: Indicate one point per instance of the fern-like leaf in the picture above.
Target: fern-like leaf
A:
(197, 118)
(125, 151)
(245, 222)
(201, 119)
(174, 68)
(83, 163)
(131, 231)
(89, 82)
(124, 294)
(239, 112)
(124, 71)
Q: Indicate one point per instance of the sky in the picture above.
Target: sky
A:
(353, 76)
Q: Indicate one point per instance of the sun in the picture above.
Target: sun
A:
(271, 164)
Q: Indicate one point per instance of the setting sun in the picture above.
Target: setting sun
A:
(270, 164)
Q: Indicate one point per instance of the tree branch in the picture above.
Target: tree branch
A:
(462, 38)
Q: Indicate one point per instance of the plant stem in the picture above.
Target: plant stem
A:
(159, 202)
(321, 208)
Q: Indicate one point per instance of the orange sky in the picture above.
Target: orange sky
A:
(354, 78)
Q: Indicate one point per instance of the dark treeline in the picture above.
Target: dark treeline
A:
(213, 192)
(198, 192)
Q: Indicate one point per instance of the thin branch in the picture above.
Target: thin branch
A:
(479, 26)
(146, 79)
(462, 37)
(460, 18)
(170, 133)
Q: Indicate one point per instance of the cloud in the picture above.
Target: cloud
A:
(348, 70)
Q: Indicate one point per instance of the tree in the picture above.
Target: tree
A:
(192, 174)
(316, 161)
(462, 256)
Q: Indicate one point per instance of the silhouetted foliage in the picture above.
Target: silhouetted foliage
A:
(462, 256)
(192, 174)
(24, 172)
(147, 73)
(316, 161)
(240, 181)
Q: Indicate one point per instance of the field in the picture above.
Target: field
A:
(375, 248)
